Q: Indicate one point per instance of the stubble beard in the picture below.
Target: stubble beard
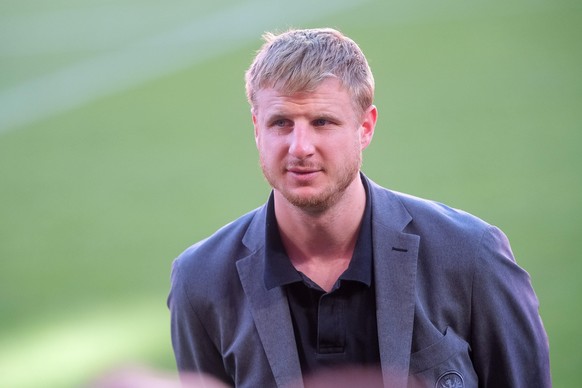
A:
(319, 202)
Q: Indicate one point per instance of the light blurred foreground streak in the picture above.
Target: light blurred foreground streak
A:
(142, 377)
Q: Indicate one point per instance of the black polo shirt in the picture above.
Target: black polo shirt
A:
(335, 329)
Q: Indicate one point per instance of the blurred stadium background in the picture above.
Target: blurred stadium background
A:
(125, 137)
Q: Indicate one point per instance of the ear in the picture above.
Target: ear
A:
(256, 126)
(367, 126)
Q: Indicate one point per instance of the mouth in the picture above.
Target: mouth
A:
(303, 172)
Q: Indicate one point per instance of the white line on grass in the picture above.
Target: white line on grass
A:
(89, 28)
(192, 43)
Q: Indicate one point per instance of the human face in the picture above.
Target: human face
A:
(310, 143)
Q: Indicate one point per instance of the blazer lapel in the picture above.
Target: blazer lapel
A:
(269, 309)
(395, 260)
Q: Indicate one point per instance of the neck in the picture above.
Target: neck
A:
(321, 244)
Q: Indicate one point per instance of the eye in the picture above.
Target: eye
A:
(280, 123)
(320, 122)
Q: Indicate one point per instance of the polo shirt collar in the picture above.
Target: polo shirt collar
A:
(278, 268)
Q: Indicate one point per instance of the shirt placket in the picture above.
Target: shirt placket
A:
(331, 333)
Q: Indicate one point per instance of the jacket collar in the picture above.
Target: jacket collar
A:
(387, 210)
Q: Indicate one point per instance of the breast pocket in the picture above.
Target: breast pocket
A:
(444, 364)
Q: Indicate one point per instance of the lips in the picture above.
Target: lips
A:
(302, 171)
(303, 168)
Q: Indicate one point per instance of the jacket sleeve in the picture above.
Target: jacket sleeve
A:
(196, 352)
(509, 345)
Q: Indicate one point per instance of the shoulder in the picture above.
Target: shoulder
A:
(452, 242)
(424, 216)
(213, 259)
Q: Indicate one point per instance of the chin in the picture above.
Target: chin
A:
(312, 202)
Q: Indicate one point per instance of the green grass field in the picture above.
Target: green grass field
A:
(125, 136)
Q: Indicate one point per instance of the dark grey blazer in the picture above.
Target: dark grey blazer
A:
(452, 304)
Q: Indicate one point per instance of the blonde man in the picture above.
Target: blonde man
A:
(335, 273)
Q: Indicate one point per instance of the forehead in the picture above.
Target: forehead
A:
(329, 95)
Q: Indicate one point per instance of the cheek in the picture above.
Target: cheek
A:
(272, 146)
(269, 153)
(348, 146)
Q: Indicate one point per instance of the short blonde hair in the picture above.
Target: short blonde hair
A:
(299, 60)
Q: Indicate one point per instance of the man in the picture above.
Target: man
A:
(335, 273)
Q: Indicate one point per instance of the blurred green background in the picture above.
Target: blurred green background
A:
(125, 136)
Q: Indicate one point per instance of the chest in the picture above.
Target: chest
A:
(334, 329)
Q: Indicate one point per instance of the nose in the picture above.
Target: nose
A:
(302, 141)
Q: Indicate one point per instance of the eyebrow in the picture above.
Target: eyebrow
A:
(328, 117)
(276, 116)
(284, 116)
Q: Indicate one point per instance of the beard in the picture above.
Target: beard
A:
(331, 190)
